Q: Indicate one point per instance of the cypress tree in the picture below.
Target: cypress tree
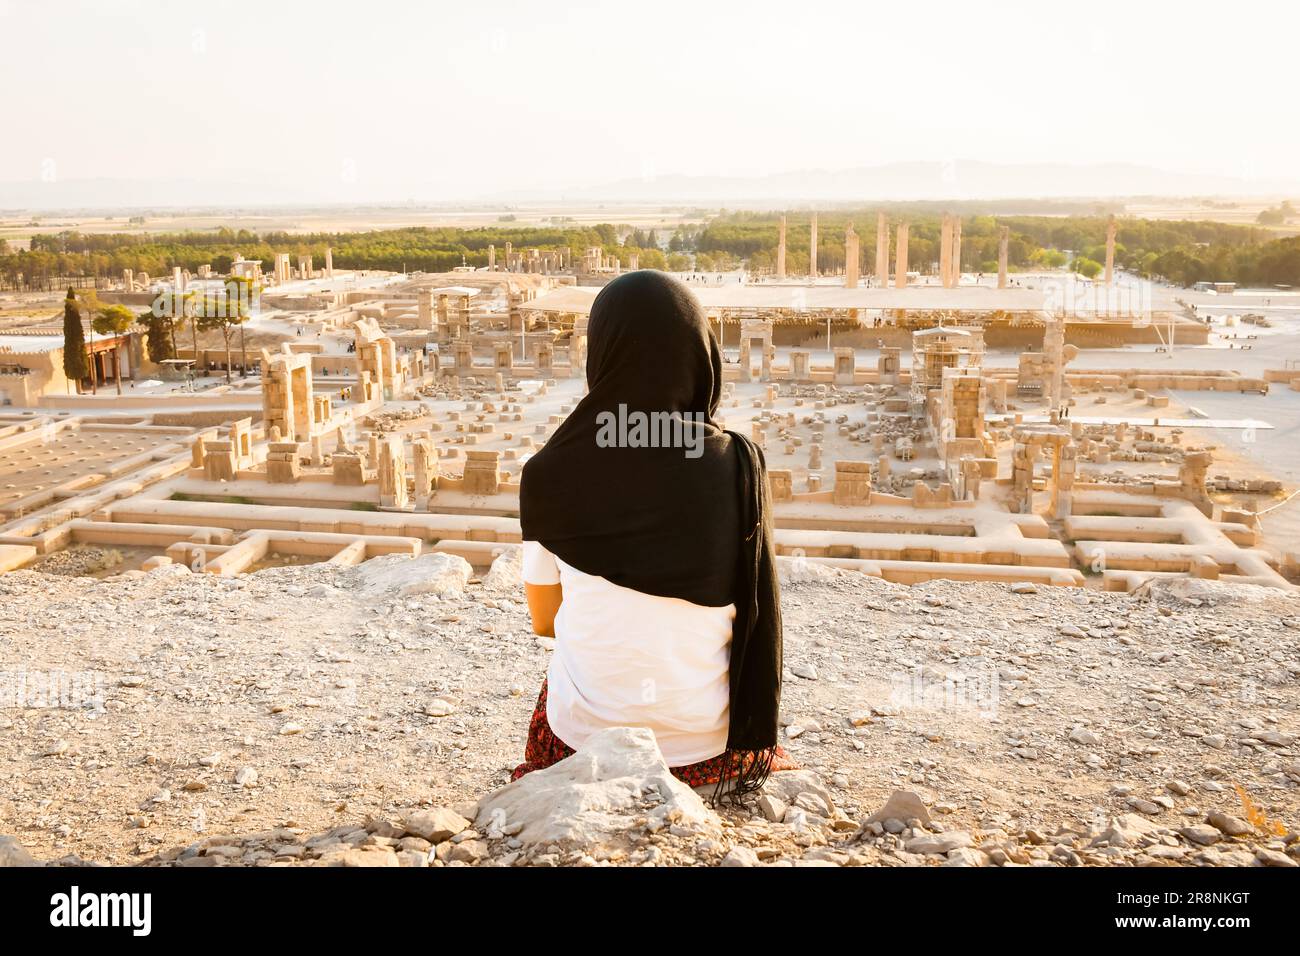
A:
(75, 366)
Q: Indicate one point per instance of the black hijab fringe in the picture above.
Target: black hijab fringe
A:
(746, 775)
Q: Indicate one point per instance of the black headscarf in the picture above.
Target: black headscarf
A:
(656, 519)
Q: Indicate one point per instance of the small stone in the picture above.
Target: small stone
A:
(1227, 823)
(939, 842)
(470, 851)
(439, 708)
(1024, 587)
(1201, 835)
(805, 670)
(434, 825)
(358, 858)
(772, 808)
(1273, 858)
(12, 853)
(902, 805)
(246, 777)
(740, 856)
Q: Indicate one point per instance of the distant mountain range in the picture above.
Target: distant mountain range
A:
(894, 182)
(964, 179)
(89, 195)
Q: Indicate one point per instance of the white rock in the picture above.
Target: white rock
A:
(740, 856)
(246, 777)
(801, 570)
(435, 825)
(902, 805)
(939, 842)
(12, 853)
(787, 785)
(595, 795)
(773, 808)
(434, 573)
(1201, 834)
(506, 571)
(1227, 823)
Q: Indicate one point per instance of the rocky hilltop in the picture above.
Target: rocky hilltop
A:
(372, 715)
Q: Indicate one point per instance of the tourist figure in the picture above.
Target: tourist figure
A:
(654, 569)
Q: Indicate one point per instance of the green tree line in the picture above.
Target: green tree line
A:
(1183, 252)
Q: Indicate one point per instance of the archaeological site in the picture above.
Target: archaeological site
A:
(998, 548)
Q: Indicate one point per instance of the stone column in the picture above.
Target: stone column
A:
(1004, 235)
(851, 256)
(424, 300)
(425, 467)
(799, 365)
(900, 257)
(1110, 251)
(780, 250)
(882, 250)
(945, 250)
(812, 247)
(392, 474)
(492, 258)
(954, 261)
(329, 262)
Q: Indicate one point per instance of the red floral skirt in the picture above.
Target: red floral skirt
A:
(544, 749)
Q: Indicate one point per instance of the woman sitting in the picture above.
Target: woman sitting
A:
(648, 553)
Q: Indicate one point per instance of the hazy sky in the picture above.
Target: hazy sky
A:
(372, 99)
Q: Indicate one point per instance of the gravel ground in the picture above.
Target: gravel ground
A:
(311, 708)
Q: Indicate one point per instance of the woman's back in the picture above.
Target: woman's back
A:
(624, 658)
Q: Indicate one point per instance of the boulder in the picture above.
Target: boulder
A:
(594, 797)
(507, 570)
(13, 854)
(803, 571)
(434, 573)
(901, 805)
